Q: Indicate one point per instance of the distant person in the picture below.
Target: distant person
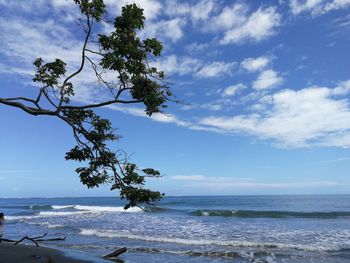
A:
(2, 221)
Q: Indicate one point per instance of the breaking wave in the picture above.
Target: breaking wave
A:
(45, 211)
(271, 214)
(184, 241)
(106, 208)
(62, 206)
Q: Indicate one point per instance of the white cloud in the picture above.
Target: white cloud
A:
(196, 47)
(157, 117)
(342, 24)
(198, 12)
(169, 29)
(310, 116)
(342, 89)
(341, 159)
(174, 8)
(202, 10)
(267, 79)
(27, 40)
(178, 65)
(28, 6)
(317, 7)
(215, 106)
(216, 69)
(233, 89)
(297, 7)
(289, 118)
(258, 26)
(24, 40)
(230, 16)
(335, 5)
(255, 64)
(62, 3)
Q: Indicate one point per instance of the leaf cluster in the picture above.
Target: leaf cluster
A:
(124, 52)
(92, 8)
(49, 73)
(100, 162)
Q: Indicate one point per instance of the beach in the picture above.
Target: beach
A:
(10, 253)
(198, 229)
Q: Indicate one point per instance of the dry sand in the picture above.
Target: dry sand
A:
(10, 253)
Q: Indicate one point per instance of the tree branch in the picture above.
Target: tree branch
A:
(35, 240)
(105, 103)
(30, 110)
(89, 24)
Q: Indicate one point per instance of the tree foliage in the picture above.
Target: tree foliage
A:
(126, 56)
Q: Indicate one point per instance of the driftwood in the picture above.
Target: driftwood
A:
(116, 253)
(35, 240)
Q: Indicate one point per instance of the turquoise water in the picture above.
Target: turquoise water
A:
(192, 229)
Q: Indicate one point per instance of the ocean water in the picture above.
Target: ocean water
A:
(192, 229)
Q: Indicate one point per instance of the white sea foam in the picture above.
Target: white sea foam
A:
(62, 206)
(81, 210)
(55, 226)
(106, 208)
(47, 224)
(240, 244)
(10, 218)
(48, 214)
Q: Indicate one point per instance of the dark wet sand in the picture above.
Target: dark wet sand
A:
(10, 253)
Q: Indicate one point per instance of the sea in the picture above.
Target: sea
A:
(285, 228)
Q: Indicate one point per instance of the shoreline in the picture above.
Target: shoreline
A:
(10, 253)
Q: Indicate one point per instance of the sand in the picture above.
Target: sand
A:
(10, 253)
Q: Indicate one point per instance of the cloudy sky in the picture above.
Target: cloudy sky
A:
(264, 87)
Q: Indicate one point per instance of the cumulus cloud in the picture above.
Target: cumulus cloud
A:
(232, 90)
(198, 12)
(202, 10)
(216, 69)
(255, 27)
(267, 79)
(174, 8)
(165, 29)
(342, 89)
(230, 16)
(173, 64)
(255, 64)
(310, 116)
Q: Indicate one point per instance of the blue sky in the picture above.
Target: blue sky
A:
(265, 88)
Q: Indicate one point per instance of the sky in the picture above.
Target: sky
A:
(264, 89)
